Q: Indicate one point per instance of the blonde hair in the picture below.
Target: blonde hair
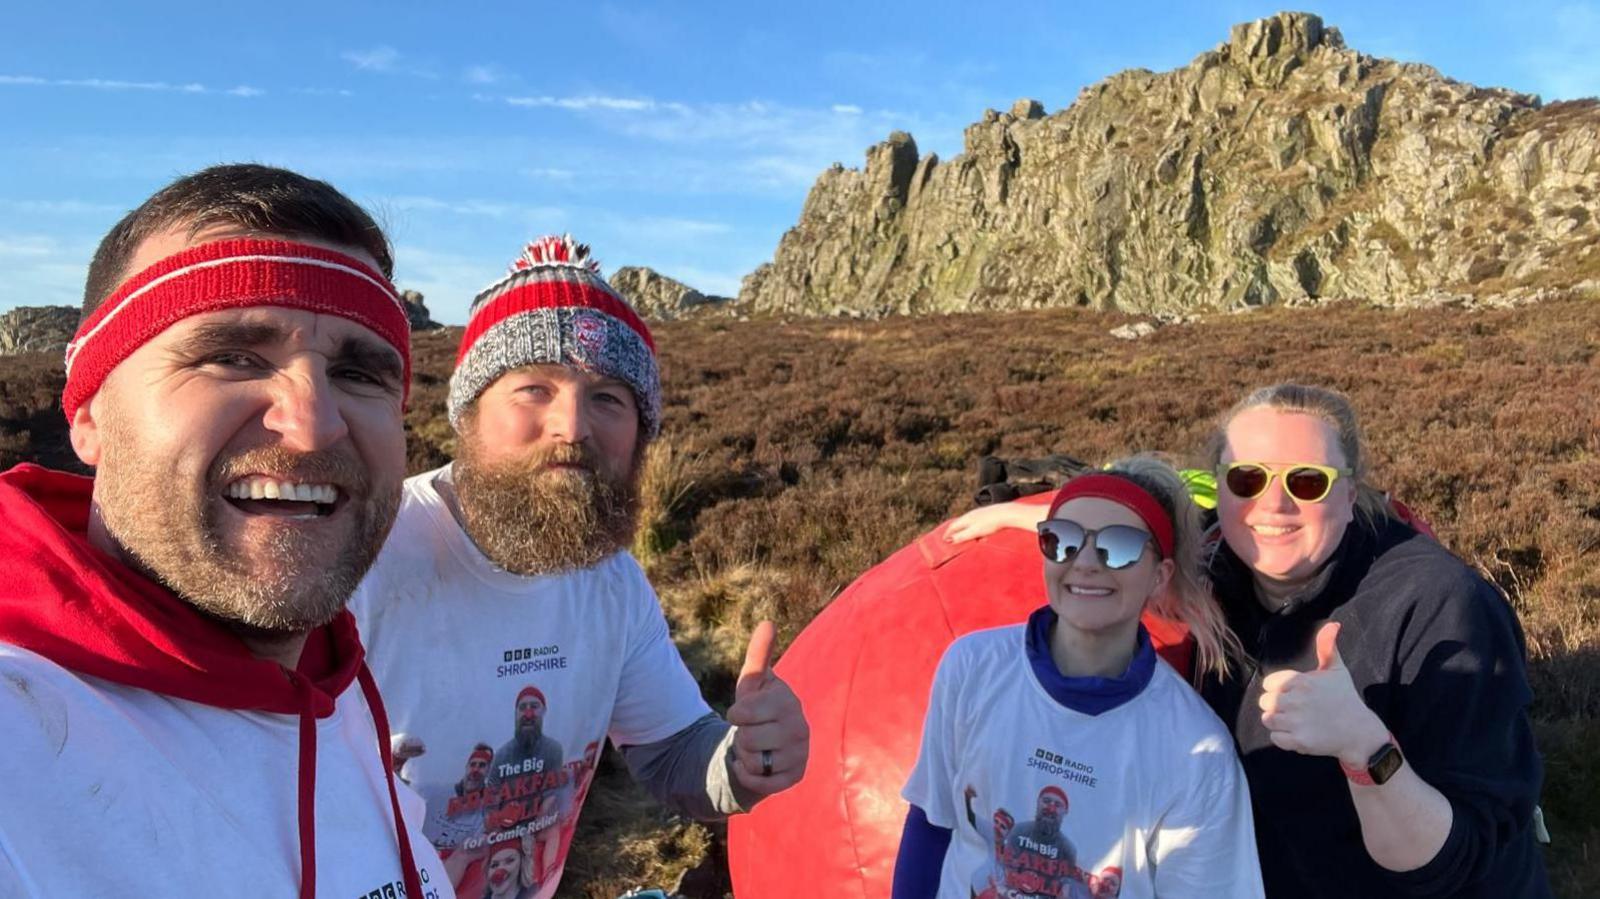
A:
(1332, 407)
(1188, 598)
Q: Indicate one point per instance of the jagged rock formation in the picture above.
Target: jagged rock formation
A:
(660, 298)
(1280, 166)
(417, 311)
(27, 329)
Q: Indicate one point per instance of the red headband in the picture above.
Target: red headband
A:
(1057, 792)
(230, 274)
(485, 754)
(1121, 490)
(531, 691)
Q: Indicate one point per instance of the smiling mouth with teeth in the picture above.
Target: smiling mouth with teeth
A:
(261, 495)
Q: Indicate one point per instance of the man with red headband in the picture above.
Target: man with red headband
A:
(178, 675)
(511, 565)
(456, 814)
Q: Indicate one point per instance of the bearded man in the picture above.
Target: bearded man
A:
(1037, 859)
(457, 813)
(530, 749)
(176, 665)
(510, 565)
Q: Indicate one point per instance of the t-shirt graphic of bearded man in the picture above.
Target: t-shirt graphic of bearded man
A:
(1033, 860)
(528, 751)
(456, 815)
(527, 768)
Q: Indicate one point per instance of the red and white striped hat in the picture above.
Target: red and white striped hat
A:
(553, 307)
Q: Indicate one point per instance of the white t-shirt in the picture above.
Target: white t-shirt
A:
(1155, 801)
(110, 790)
(455, 642)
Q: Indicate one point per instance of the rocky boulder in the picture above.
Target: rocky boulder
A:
(417, 311)
(1280, 166)
(660, 298)
(27, 329)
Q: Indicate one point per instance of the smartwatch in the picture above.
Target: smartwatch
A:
(1379, 768)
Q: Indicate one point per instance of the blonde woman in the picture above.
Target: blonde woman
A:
(1062, 757)
(1382, 710)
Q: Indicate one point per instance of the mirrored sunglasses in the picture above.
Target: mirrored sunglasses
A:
(1119, 545)
(1305, 482)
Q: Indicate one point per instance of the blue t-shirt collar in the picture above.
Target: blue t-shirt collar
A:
(1086, 695)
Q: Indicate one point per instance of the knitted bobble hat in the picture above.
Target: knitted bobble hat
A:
(553, 307)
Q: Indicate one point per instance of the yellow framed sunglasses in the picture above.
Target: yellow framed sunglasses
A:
(1305, 482)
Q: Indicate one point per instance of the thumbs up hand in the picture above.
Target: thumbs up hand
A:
(771, 741)
(1320, 712)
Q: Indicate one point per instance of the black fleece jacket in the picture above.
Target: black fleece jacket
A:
(1437, 653)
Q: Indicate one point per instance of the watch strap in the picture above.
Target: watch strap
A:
(1367, 775)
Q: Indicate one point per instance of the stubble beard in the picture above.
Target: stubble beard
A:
(293, 582)
(530, 519)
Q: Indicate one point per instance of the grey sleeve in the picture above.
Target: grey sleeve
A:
(691, 771)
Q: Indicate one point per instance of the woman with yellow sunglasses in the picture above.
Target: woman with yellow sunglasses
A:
(1381, 709)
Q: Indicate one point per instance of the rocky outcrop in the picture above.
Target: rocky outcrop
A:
(417, 311)
(27, 329)
(660, 298)
(1280, 166)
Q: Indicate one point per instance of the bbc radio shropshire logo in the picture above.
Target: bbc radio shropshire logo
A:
(530, 659)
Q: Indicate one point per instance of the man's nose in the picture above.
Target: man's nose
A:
(305, 412)
(567, 417)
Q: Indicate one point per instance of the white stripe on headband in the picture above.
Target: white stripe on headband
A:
(76, 345)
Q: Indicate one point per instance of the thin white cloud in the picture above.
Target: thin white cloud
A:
(549, 174)
(325, 91)
(846, 109)
(482, 74)
(41, 271)
(377, 59)
(386, 60)
(614, 104)
(113, 84)
(470, 207)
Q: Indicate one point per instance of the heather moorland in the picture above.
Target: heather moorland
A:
(796, 454)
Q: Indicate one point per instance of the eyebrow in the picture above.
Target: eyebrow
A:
(379, 358)
(209, 338)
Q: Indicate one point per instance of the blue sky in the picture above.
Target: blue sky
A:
(683, 136)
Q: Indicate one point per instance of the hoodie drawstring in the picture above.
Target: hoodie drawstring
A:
(380, 719)
(307, 788)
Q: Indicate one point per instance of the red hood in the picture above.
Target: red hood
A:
(87, 612)
(84, 610)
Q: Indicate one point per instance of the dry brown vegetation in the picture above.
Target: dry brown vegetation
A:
(796, 454)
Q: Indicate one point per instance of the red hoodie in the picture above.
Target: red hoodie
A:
(89, 613)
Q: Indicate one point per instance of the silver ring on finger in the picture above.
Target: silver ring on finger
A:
(766, 763)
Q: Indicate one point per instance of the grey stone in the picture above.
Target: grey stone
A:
(1279, 167)
(27, 329)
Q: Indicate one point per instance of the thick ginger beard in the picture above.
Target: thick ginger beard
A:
(169, 526)
(530, 518)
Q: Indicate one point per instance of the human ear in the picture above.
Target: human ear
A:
(1163, 582)
(84, 432)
